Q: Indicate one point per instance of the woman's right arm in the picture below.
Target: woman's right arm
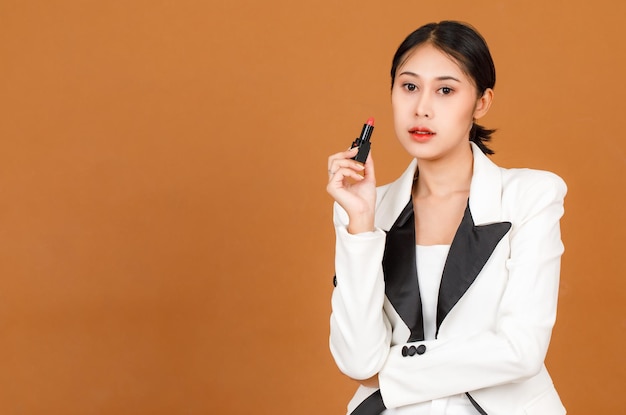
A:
(360, 334)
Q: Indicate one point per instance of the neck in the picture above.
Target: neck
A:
(446, 176)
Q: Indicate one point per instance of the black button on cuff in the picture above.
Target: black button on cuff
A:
(421, 349)
(334, 281)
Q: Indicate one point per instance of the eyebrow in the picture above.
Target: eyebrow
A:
(439, 78)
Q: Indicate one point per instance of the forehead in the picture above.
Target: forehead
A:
(428, 61)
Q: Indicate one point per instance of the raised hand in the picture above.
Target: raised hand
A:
(353, 186)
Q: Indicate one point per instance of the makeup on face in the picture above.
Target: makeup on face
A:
(363, 141)
(421, 134)
(434, 104)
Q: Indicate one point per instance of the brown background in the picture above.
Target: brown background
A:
(166, 244)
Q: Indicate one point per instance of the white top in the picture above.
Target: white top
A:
(430, 262)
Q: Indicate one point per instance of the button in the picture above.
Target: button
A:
(412, 350)
(334, 281)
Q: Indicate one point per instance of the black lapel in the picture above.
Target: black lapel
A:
(470, 250)
(399, 269)
(372, 405)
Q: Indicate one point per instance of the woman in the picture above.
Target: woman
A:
(446, 279)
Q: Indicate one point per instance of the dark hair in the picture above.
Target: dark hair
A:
(463, 43)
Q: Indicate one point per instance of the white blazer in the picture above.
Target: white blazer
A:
(497, 300)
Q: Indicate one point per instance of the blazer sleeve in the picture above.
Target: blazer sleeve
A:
(514, 348)
(360, 333)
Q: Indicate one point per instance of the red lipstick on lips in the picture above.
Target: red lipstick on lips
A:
(421, 134)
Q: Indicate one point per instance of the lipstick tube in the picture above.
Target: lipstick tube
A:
(363, 141)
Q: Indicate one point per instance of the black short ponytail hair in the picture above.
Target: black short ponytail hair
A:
(463, 43)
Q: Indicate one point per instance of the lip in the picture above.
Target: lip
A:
(421, 134)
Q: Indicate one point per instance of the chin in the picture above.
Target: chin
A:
(421, 151)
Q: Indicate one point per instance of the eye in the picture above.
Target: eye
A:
(409, 87)
(445, 90)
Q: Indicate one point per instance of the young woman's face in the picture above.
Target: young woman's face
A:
(434, 104)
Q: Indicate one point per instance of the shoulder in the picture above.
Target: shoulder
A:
(528, 190)
(531, 180)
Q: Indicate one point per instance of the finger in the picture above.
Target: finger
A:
(344, 164)
(342, 156)
(369, 167)
(337, 179)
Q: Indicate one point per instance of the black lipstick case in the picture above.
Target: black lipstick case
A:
(363, 143)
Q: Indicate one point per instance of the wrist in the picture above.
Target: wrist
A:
(360, 224)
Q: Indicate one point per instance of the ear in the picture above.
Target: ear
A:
(483, 104)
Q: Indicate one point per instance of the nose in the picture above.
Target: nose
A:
(423, 106)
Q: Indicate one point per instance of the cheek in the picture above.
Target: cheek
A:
(400, 124)
(463, 112)
(395, 109)
(399, 106)
(394, 102)
(399, 117)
